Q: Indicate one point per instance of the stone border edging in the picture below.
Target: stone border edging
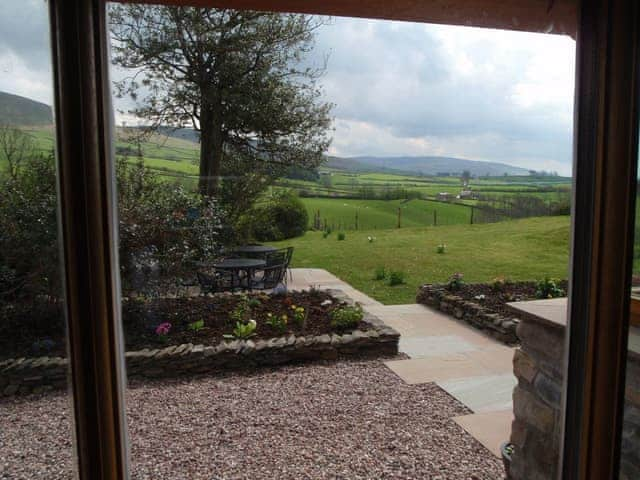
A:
(498, 326)
(40, 374)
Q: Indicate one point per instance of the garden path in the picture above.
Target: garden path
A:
(472, 367)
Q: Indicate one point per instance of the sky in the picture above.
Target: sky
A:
(399, 88)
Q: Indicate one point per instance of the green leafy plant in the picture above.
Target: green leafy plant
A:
(548, 288)
(277, 322)
(396, 277)
(442, 248)
(254, 302)
(341, 236)
(346, 317)
(299, 315)
(326, 233)
(242, 310)
(455, 282)
(380, 273)
(196, 326)
(243, 330)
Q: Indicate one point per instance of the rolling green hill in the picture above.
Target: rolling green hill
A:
(16, 110)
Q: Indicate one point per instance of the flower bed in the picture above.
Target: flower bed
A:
(185, 349)
(482, 305)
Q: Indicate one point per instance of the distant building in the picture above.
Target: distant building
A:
(468, 195)
(444, 196)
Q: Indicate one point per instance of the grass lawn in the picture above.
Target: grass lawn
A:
(527, 249)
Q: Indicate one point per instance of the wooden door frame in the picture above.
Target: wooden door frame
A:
(605, 151)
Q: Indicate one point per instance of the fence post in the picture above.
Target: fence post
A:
(435, 218)
(471, 220)
(356, 219)
(399, 217)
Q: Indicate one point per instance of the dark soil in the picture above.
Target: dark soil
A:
(21, 336)
(495, 299)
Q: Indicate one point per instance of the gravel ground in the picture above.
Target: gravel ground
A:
(340, 420)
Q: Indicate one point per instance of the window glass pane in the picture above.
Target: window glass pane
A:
(630, 460)
(323, 225)
(36, 412)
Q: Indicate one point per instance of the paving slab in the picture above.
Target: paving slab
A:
(490, 393)
(306, 278)
(434, 346)
(435, 369)
(421, 321)
(490, 429)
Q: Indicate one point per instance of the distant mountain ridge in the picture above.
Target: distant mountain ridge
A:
(22, 111)
(425, 165)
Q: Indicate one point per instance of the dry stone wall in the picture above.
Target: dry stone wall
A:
(34, 375)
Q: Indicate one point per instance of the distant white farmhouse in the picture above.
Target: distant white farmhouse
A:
(468, 195)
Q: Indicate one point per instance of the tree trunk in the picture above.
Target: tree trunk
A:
(211, 146)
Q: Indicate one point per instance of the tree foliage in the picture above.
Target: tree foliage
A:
(28, 250)
(234, 76)
(16, 147)
(163, 229)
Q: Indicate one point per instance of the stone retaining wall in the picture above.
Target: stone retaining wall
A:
(538, 365)
(33, 375)
(498, 326)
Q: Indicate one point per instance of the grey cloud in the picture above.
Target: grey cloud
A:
(25, 32)
(399, 77)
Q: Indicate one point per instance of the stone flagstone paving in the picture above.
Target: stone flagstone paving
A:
(472, 367)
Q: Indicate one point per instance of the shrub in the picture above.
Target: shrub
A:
(326, 233)
(341, 236)
(29, 264)
(380, 273)
(344, 318)
(499, 284)
(162, 227)
(284, 217)
(548, 288)
(455, 282)
(441, 248)
(396, 278)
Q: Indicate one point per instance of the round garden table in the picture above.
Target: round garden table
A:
(258, 250)
(237, 266)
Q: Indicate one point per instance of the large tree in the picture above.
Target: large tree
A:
(234, 76)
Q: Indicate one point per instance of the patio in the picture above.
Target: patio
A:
(415, 416)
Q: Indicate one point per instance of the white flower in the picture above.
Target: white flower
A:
(252, 322)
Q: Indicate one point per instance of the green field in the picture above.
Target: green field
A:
(527, 249)
(175, 158)
(340, 214)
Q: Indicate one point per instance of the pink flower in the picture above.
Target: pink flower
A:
(163, 329)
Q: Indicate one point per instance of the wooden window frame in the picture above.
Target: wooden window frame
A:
(605, 153)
